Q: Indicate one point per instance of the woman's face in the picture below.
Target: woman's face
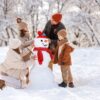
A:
(22, 34)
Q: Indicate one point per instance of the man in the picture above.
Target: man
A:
(51, 29)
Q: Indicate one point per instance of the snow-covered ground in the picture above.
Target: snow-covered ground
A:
(86, 73)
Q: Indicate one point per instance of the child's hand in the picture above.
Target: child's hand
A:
(71, 44)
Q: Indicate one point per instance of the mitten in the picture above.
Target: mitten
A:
(51, 65)
(62, 63)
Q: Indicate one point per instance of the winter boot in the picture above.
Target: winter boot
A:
(71, 85)
(2, 84)
(63, 84)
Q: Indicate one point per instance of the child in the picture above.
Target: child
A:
(63, 58)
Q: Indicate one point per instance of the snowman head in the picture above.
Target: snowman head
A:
(41, 41)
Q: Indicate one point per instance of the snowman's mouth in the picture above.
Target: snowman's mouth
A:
(44, 44)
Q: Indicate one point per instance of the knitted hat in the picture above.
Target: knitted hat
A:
(62, 33)
(14, 43)
(57, 17)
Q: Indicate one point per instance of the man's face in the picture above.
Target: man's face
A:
(53, 22)
(19, 20)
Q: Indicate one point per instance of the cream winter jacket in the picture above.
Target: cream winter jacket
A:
(13, 61)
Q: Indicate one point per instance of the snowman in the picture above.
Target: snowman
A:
(41, 76)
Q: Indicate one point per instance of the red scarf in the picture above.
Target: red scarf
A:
(40, 55)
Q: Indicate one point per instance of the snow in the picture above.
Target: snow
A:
(41, 78)
(73, 9)
(86, 73)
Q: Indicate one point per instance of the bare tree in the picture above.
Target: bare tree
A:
(61, 4)
(6, 8)
(85, 22)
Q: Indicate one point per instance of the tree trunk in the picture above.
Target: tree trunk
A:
(93, 31)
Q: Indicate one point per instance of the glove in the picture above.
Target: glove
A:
(51, 65)
(62, 63)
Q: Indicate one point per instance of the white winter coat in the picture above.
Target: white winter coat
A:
(13, 64)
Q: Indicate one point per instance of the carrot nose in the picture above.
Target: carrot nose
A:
(46, 41)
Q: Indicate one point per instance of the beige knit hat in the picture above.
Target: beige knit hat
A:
(62, 33)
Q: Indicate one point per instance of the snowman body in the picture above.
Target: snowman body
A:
(41, 76)
(41, 43)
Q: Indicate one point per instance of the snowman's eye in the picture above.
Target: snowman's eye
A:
(41, 40)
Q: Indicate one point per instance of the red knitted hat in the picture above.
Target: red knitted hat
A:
(40, 35)
(57, 17)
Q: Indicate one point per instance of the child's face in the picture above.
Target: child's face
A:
(60, 37)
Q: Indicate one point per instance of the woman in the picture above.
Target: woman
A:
(16, 64)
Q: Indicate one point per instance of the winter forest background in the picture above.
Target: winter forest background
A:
(81, 18)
